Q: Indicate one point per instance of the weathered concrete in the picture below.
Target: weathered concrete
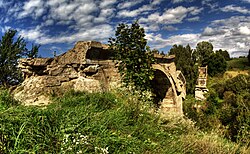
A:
(88, 67)
(201, 86)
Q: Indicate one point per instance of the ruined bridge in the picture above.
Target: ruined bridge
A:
(88, 67)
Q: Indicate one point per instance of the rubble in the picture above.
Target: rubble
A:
(89, 67)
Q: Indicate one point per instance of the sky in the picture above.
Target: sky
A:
(58, 24)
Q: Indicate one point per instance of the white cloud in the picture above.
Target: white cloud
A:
(156, 2)
(107, 3)
(98, 33)
(48, 22)
(233, 8)
(34, 8)
(32, 34)
(193, 19)
(170, 28)
(171, 16)
(128, 4)
(134, 13)
(180, 1)
(212, 4)
(244, 30)
(158, 42)
(247, 1)
(1, 4)
(5, 29)
(231, 34)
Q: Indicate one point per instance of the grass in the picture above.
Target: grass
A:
(111, 122)
(238, 64)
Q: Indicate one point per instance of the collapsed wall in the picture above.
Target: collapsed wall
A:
(89, 67)
(71, 70)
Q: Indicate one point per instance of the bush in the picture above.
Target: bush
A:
(6, 100)
(226, 109)
(80, 122)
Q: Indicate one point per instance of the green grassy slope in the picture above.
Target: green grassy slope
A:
(101, 123)
(237, 64)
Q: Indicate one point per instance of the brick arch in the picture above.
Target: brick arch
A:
(158, 67)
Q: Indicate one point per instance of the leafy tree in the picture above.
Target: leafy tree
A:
(224, 53)
(11, 50)
(205, 56)
(156, 51)
(203, 52)
(216, 64)
(248, 56)
(184, 61)
(135, 62)
(33, 53)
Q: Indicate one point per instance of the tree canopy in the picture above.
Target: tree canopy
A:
(185, 62)
(203, 51)
(216, 64)
(216, 61)
(248, 56)
(224, 53)
(11, 50)
(135, 60)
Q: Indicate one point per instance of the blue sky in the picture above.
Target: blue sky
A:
(59, 24)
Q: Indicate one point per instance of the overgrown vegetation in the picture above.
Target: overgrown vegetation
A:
(187, 60)
(114, 122)
(238, 64)
(11, 49)
(184, 61)
(135, 59)
(226, 109)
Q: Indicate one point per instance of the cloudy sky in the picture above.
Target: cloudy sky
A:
(58, 24)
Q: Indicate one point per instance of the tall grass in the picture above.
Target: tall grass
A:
(107, 122)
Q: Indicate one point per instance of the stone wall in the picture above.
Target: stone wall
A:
(88, 67)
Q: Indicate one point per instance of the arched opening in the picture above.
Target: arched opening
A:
(161, 87)
(98, 54)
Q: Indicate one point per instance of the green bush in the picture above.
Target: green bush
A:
(6, 100)
(80, 122)
(226, 109)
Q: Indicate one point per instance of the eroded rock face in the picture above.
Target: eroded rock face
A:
(71, 70)
(88, 67)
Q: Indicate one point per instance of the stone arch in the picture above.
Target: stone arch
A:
(98, 54)
(163, 84)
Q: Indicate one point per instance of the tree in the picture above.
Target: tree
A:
(216, 64)
(248, 56)
(33, 53)
(203, 51)
(224, 53)
(11, 50)
(135, 61)
(184, 61)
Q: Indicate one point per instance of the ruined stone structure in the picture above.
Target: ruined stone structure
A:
(201, 86)
(88, 67)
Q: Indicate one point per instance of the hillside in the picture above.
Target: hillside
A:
(114, 122)
(238, 64)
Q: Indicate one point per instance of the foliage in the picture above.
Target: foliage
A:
(227, 109)
(224, 53)
(81, 122)
(6, 100)
(237, 64)
(203, 52)
(248, 56)
(205, 56)
(185, 62)
(10, 51)
(216, 64)
(33, 53)
(135, 61)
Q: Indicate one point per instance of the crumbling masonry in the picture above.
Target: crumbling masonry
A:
(88, 67)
